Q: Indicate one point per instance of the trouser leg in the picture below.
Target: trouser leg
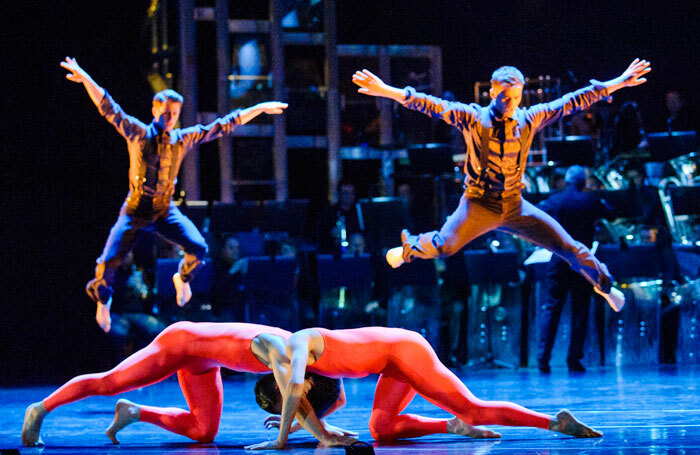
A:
(580, 308)
(122, 237)
(178, 229)
(469, 221)
(537, 227)
(557, 290)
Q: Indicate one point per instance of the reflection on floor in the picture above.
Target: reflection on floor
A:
(643, 410)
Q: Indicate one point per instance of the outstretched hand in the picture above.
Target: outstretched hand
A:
(370, 84)
(272, 107)
(633, 74)
(77, 74)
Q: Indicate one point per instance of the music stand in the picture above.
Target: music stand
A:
(570, 150)
(241, 216)
(288, 216)
(486, 267)
(382, 220)
(666, 146)
(272, 279)
(433, 159)
(685, 200)
(349, 271)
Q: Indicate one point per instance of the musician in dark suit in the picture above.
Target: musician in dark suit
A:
(577, 211)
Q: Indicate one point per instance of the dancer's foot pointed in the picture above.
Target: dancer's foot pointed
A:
(395, 256)
(566, 423)
(125, 413)
(615, 298)
(33, 417)
(183, 292)
(102, 316)
(458, 426)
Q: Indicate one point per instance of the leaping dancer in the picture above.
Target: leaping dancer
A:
(156, 151)
(498, 139)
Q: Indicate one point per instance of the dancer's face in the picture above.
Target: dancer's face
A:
(506, 97)
(166, 114)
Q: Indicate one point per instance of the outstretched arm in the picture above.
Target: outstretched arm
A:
(80, 76)
(544, 114)
(632, 76)
(270, 108)
(128, 126)
(372, 85)
(451, 112)
(222, 126)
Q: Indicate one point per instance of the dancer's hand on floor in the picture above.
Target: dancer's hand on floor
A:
(332, 429)
(274, 422)
(267, 445)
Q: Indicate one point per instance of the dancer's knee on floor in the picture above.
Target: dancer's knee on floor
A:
(204, 434)
(381, 426)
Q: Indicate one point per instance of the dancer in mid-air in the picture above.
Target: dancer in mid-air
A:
(498, 139)
(407, 366)
(196, 352)
(156, 151)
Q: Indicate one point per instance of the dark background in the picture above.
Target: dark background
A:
(64, 169)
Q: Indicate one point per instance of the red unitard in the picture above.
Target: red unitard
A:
(408, 365)
(196, 352)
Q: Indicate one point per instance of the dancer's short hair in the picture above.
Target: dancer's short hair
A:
(508, 75)
(168, 95)
(322, 394)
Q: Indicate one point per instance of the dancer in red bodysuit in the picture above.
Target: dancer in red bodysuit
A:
(196, 352)
(407, 365)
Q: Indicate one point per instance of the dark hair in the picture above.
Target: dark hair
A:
(323, 393)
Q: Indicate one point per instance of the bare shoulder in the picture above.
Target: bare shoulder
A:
(271, 341)
(305, 335)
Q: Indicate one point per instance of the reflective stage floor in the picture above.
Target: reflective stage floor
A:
(650, 410)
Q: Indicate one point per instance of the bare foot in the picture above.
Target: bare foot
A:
(33, 417)
(104, 320)
(125, 413)
(457, 426)
(566, 423)
(182, 290)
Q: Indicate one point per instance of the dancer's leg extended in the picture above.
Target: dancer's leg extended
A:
(420, 367)
(469, 221)
(160, 359)
(436, 383)
(203, 392)
(388, 424)
(537, 227)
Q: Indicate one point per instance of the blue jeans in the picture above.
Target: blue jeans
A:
(173, 227)
(516, 216)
